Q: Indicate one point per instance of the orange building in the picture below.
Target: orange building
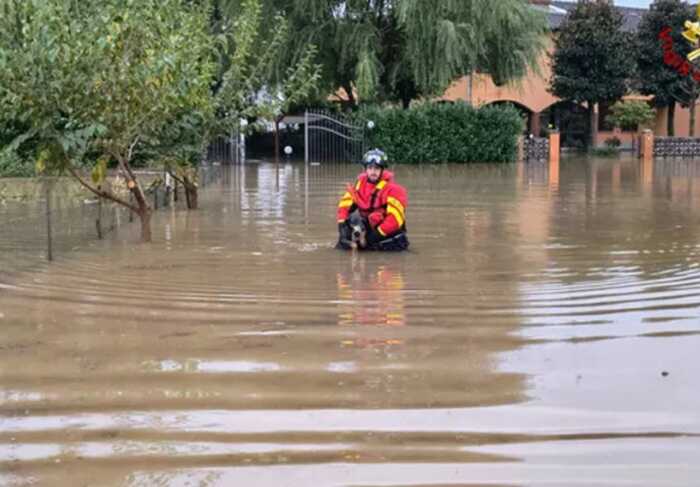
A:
(542, 108)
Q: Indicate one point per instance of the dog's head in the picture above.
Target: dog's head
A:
(358, 231)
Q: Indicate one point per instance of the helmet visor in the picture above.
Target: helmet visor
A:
(373, 160)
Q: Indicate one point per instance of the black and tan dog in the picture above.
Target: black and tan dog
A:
(354, 234)
(358, 231)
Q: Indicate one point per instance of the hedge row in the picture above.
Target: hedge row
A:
(445, 132)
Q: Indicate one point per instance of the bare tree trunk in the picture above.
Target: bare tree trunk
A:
(691, 127)
(145, 216)
(190, 186)
(670, 119)
(351, 97)
(144, 210)
(592, 125)
(191, 194)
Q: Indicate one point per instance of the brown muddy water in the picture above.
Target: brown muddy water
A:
(544, 329)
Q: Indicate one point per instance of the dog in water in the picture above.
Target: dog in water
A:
(358, 231)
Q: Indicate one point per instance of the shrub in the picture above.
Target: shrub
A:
(446, 132)
(612, 142)
(604, 151)
(628, 115)
(12, 165)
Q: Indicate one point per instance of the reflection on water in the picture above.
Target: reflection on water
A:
(542, 330)
(373, 297)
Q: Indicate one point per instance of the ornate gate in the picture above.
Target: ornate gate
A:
(331, 138)
(227, 150)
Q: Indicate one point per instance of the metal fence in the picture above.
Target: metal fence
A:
(535, 148)
(676, 146)
(332, 137)
(51, 217)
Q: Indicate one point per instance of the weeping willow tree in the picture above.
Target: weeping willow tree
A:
(401, 49)
(256, 82)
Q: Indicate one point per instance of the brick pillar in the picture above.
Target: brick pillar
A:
(646, 145)
(554, 146)
(554, 159)
(647, 155)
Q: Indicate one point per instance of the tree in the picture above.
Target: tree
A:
(655, 77)
(101, 78)
(591, 61)
(631, 114)
(404, 49)
(180, 146)
(256, 85)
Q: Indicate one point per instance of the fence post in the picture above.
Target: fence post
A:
(98, 222)
(554, 147)
(49, 239)
(647, 145)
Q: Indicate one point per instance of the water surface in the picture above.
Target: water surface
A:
(543, 330)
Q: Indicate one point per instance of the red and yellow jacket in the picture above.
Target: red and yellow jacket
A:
(383, 204)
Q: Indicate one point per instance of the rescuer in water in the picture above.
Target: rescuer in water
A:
(372, 213)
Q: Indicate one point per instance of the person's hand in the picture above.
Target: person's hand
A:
(375, 218)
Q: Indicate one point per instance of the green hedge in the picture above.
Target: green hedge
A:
(12, 165)
(445, 132)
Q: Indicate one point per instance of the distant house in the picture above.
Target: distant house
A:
(541, 108)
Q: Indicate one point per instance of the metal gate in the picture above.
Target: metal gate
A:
(227, 150)
(332, 138)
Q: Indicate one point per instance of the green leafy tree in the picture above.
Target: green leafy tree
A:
(591, 61)
(102, 78)
(655, 77)
(400, 50)
(253, 86)
(631, 114)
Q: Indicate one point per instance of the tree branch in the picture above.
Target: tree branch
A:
(172, 175)
(131, 148)
(100, 193)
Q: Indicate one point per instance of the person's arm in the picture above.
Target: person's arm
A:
(396, 204)
(344, 207)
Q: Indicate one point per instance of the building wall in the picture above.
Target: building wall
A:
(681, 121)
(531, 92)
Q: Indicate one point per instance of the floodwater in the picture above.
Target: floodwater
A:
(543, 330)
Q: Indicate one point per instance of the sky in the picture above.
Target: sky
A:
(633, 3)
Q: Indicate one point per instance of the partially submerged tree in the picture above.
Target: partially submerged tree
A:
(180, 148)
(101, 78)
(655, 77)
(591, 61)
